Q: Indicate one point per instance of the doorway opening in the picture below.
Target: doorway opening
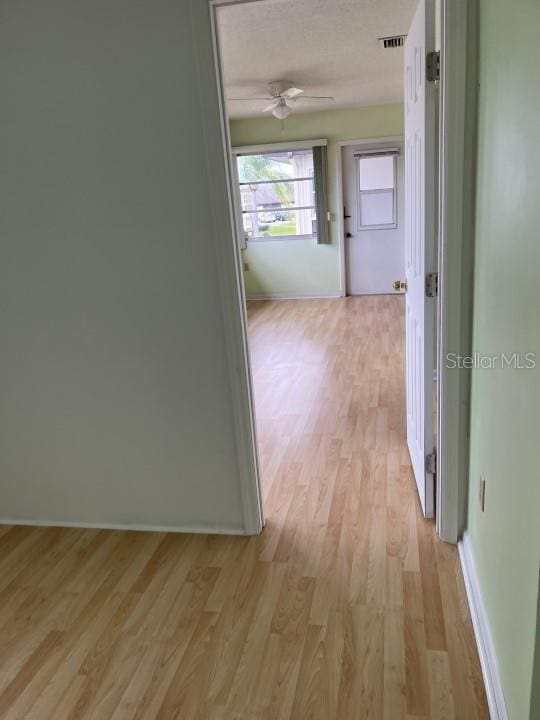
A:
(291, 144)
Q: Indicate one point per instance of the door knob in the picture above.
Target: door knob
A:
(400, 285)
(348, 235)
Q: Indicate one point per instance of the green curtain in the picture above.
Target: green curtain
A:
(321, 193)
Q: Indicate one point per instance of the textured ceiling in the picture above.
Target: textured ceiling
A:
(326, 47)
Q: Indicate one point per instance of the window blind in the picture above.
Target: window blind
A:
(376, 153)
(321, 193)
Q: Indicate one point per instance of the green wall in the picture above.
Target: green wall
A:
(505, 411)
(535, 690)
(301, 266)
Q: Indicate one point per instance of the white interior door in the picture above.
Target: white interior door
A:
(373, 198)
(420, 198)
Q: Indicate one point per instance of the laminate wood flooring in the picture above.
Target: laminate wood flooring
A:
(347, 606)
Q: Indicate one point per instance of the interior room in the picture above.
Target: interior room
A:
(356, 89)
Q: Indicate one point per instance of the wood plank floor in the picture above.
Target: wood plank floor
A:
(346, 607)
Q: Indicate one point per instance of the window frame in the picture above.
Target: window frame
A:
(268, 149)
(378, 191)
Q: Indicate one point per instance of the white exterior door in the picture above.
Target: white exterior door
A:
(374, 246)
(420, 258)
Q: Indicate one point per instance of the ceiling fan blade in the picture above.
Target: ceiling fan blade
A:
(272, 105)
(291, 92)
(249, 99)
(315, 97)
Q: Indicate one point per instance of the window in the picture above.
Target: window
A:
(278, 193)
(376, 181)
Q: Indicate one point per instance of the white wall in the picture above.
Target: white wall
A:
(115, 399)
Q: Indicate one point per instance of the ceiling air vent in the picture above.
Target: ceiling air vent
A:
(393, 41)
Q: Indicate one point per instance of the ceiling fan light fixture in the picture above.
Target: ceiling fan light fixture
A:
(282, 110)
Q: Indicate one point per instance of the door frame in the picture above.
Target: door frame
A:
(457, 172)
(455, 258)
(340, 144)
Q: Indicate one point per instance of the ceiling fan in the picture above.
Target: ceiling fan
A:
(283, 95)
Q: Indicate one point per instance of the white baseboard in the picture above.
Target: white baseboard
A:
(482, 632)
(377, 293)
(191, 529)
(291, 296)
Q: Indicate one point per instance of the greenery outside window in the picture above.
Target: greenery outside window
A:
(278, 193)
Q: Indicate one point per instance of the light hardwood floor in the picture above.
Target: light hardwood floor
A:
(346, 607)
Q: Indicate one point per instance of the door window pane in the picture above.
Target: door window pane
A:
(376, 172)
(376, 192)
(377, 208)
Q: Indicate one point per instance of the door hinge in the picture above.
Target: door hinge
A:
(431, 463)
(433, 66)
(432, 284)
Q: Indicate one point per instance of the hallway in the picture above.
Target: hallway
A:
(380, 600)
(346, 606)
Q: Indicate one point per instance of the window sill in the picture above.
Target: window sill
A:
(280, 238)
